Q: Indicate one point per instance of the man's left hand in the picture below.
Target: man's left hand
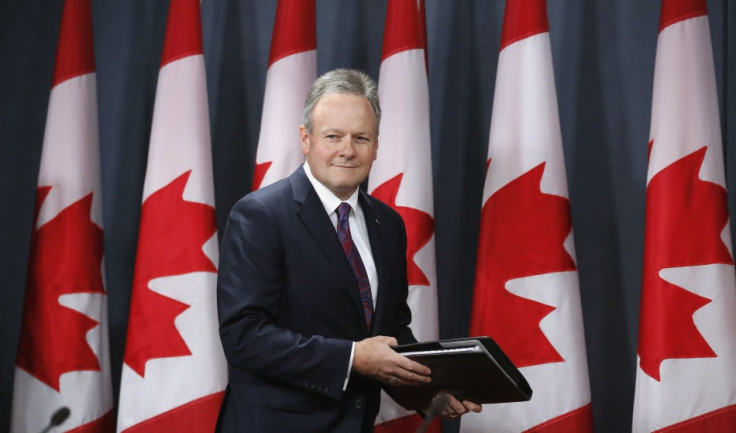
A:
(456, 408)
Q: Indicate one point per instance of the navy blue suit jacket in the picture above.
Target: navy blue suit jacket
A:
(289, 309)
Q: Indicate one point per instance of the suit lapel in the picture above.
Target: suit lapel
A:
(373, 225)
(315, 220)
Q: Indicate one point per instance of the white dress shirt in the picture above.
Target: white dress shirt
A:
(358, 232)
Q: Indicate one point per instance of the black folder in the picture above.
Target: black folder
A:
(473, 369)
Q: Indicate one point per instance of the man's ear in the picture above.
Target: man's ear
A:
(304, 139)
(375, 150)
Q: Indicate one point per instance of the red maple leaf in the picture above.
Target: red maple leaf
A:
(684, 220)
(522, 234)
(170, 243)
(259, 172)
(65, 258)
(419, 227)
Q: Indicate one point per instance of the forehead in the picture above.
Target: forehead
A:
(344, 109)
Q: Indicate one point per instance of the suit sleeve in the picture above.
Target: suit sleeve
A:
(250, 285)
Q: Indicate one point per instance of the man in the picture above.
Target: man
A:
(312, 282)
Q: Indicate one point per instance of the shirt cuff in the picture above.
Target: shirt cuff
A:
(350, 367)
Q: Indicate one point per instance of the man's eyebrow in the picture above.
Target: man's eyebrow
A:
(331, 129)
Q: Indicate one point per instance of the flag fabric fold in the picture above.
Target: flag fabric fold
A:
(174, 371)
(63, 356)
(292, 67)
(402, 175)
(685, 381)
(526, 293)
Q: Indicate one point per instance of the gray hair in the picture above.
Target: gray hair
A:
(349, 81)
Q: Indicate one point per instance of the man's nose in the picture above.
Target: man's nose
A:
(346, 147)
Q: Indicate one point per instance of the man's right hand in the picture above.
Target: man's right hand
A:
(375, 358)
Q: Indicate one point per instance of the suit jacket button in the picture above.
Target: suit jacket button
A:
(358, 403)
(327, 389)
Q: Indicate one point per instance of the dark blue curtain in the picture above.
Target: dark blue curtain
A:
(604, 60)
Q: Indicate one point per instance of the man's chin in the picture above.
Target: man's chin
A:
(344, 190)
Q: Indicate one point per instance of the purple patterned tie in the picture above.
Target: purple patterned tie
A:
(343, 233)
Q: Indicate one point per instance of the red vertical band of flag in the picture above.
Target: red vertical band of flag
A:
(104, 424)
(404, 28)
(74, 52)
(196, 416)
(183, 31)
(522, 19)
(289, 37)
(678, 10)
(578, 420)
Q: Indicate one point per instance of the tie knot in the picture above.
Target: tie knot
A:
(343, 211)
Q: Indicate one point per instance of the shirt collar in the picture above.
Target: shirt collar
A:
(329, 200)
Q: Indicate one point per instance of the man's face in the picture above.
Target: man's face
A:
(343, 143)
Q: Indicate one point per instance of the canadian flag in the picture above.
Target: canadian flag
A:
(526, 287)
(402, 175)
(174, 371)
(63, 355)
(685, 377)
(292, 67)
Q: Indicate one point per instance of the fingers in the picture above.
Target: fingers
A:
(413, 373)
(414, 367)
(472, 406)
(455, 408)
(402, 377)
(375, 358)
(408, 372)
